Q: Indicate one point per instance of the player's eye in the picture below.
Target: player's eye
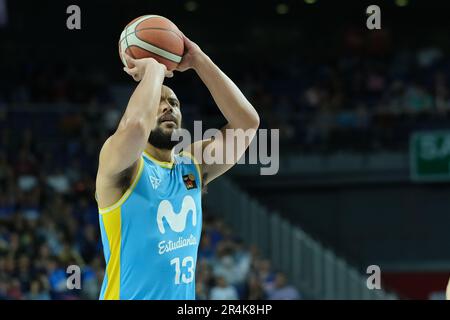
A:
(174, 103)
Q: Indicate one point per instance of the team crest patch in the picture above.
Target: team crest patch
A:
(189, 181)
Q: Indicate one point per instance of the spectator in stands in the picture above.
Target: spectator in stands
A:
(255, 290)
(242, 258)
(91, 287)
(200, 290)
(223, 291)
(57, 277)
(14, 291)
(265, 274)
(3, 289)
(282, 290)
(36, 292)
(225, 267)
(206, 249)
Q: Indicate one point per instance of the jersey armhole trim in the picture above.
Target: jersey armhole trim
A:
(163, 164)
(127, 193)
(196, 163)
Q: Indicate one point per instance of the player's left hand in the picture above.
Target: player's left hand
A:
(192, 53)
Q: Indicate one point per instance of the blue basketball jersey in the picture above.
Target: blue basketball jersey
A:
(151, 235)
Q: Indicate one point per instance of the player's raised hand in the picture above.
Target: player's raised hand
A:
(138, 67)
(191, 55)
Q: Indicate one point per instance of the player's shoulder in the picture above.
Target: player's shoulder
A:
(186, 157)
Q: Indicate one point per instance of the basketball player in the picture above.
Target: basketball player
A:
(150, 198)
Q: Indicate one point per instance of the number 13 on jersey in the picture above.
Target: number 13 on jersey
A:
(185, 277)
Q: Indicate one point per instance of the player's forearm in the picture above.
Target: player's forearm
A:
(238, 111)
(143, 104)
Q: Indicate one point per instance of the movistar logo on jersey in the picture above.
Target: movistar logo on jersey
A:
(177, 221)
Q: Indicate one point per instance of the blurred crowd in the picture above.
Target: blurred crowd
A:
(230, 270)
(54, 118)
(49, 221)
(38, 244)
(367, 96)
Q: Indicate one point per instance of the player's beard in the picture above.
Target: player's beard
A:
(161, 140)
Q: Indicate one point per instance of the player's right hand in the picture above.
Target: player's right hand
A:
(138, 67)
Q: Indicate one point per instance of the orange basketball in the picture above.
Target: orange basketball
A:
(152, 36)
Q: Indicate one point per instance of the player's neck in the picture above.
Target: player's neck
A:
(163, 155)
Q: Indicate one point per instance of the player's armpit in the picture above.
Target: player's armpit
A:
(111, 188)
(120, 153)
(222, 152)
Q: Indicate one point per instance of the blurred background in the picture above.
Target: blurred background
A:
(364, 151)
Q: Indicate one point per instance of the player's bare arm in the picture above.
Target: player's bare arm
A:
(237, 110)
(121, 151)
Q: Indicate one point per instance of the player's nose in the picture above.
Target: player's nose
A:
(165, 107)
